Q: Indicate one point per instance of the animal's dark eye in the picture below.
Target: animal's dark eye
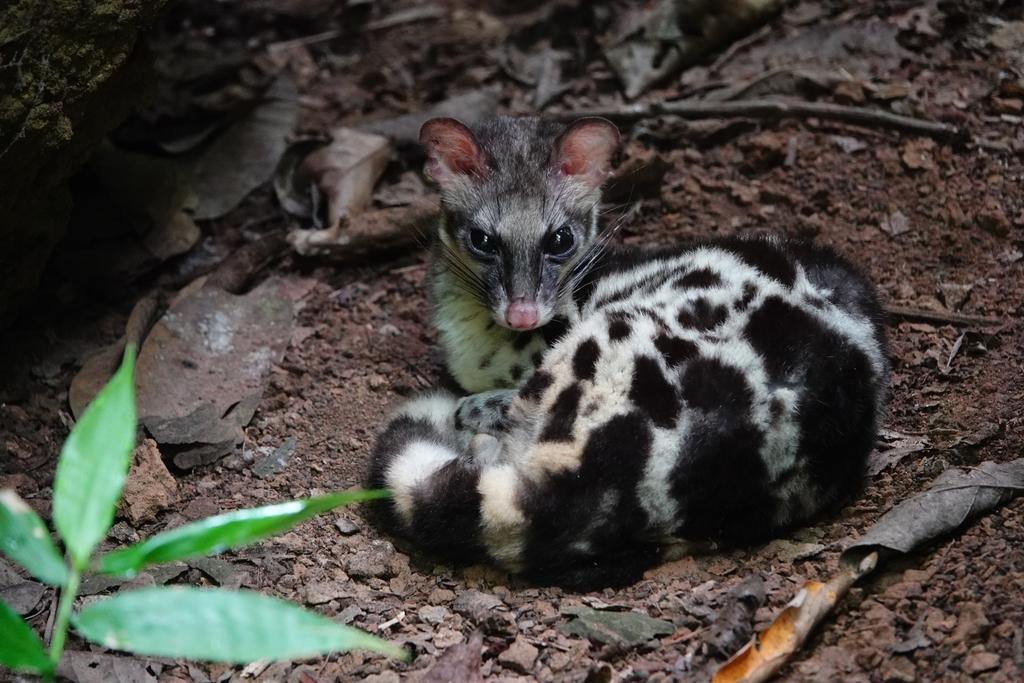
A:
(560, 242)
(482, 242)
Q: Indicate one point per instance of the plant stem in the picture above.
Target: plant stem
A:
(60, 626)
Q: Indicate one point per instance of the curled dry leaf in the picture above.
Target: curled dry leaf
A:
(346, 171)
(955, 497)
(296, 192)
(765, 654)
(98, 369)
(895, 224)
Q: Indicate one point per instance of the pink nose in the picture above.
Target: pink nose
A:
(521, 315)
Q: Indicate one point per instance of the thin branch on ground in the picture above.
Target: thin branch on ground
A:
(769, 109)
(900, 313)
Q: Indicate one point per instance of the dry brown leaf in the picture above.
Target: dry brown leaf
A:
(244, 156)
(765, 654)
(955, 497)
(346, 171)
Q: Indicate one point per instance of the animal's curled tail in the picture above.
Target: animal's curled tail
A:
(427, 464)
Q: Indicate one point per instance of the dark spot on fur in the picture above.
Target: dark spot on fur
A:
(766, 256)
(837, 392)
(563, 413)
(652, 393)
(516, 373)
(486, 361)
(554, 330)
(584, 361)
(777, 408)
(702, 278)
(496, 404)
(537, 359)
(567, 508)
(712, 386)
(722, 484)
(521, 340)
(674, 350)
(703, 316)
(536, 386)
(619, 329)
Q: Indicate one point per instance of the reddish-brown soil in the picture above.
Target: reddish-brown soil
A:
(952, 611)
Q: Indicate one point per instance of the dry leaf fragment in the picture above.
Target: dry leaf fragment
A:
(955, 497)
(897, 447)
(626, 628)
(459, 662)
(768, 651)
(98, 369)
(848, 144)
(895, 224)
(733, 625)
(203, 366)
(918, 154)
(245, 155)
(1009, 36)
(97, 667)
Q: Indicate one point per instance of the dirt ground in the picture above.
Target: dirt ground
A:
(938, 224)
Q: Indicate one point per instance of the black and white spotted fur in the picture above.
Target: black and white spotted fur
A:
(721, 392)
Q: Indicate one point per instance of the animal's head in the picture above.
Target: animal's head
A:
(520, 198)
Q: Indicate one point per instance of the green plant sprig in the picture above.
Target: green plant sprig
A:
(184, 622)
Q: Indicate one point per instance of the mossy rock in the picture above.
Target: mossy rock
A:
(70, 71)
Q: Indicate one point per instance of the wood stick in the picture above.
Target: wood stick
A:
(769, 109)
(898, 313)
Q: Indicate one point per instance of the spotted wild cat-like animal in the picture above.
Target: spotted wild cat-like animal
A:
(623, 401)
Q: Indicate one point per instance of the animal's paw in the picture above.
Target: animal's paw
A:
(484, 413)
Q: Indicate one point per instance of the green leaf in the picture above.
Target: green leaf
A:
(231, 530)
(20, 648)
(217, 625)
(93, 465)
(24, 539)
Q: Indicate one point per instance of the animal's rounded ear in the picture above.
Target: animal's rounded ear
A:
(584, 151)
(452, 151)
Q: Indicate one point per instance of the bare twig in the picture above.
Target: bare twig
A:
(236, 272)
(770, 109)
(737, 46)
(899, 313)
(410, 15)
